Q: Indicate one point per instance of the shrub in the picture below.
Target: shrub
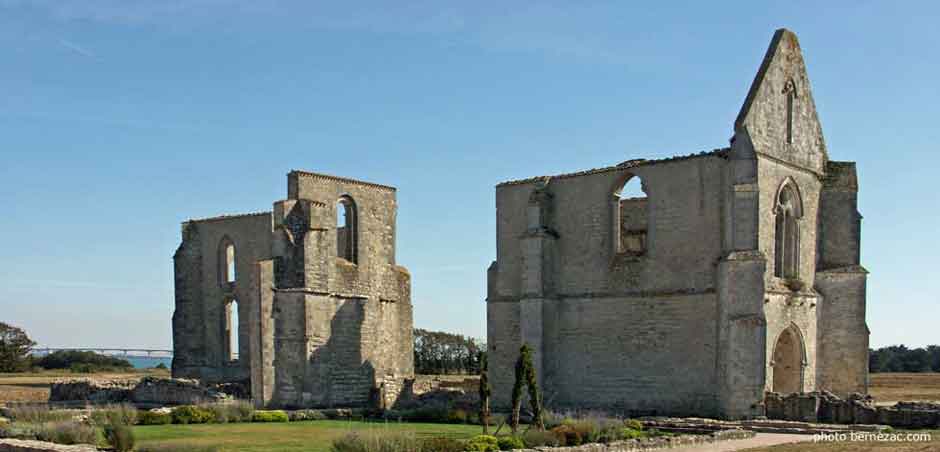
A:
(631, 433)
(377, 442)
(457, 416)
(307, 415)
(509, 443)
(125, 414)
(567, 436)
(67, 432)
(538, 438)
(633, 423)
(483, 443)
(269, 416)
(442, 444)
(189, 414)
(238, 411)
(154, 418)
(161, 366)
(38, 414)
(120, 436)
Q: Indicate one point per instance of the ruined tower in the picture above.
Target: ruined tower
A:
(324, 314)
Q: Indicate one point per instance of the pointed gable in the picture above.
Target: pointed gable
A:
(779, 114)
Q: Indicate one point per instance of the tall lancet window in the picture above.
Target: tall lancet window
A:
(787, 215)
(347, 229)
(789, 91)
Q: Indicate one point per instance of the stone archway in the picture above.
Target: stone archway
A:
(788, 361)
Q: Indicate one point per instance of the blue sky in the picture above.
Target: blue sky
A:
(120, 119)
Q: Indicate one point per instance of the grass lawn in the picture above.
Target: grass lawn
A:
(932, 445)
(313, 436)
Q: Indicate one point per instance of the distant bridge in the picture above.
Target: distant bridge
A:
(113, 351)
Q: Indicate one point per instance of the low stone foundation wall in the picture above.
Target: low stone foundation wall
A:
(454, 390)
(18, 445)
(146, 392)
(664, 442)
(699, 425)
(857, 409)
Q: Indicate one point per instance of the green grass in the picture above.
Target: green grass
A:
(313, 436)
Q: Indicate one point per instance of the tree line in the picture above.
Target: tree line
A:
(437, 352)
(898, 358)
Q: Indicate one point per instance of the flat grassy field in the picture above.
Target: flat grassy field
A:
(34, 386)
(932, 445)
(312, 436)
(892, 387)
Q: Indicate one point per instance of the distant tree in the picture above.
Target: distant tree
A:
(15, 349)
(437, 352)
(80, 361)
(899, 358)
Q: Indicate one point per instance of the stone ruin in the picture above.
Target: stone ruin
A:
(724, 275)
(304, 303)
(826, 407)
(147, 392)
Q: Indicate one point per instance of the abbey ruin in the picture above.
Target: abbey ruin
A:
(304, 303)
(736, 273)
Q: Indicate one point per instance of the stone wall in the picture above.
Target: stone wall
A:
(658, 443)
(149, 391)
(856, 409)
(19, 445)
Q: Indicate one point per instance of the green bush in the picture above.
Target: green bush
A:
(483, 443)
(67, 432)
(238, 411)
(189, 414)
(269, 416)
(442, 444)
(38, 414)
(120, 437)
(633, 423)
(378, 442)
(509, 443)
(457, 416)
(538, 438)
(631, 433)
(154, 418)
(125, 414)
(307, 415)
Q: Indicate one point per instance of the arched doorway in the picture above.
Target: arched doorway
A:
(788, 361)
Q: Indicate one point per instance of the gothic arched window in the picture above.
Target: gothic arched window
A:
(226, 261)
(347, 229)
(787, 214)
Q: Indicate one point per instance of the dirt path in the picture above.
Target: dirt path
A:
(761, 440)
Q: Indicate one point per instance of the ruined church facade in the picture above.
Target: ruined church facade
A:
(734, 272)
(304, 303)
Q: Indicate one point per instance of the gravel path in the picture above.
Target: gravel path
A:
(761, 440)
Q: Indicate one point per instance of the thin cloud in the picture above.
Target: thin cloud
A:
(77, 49)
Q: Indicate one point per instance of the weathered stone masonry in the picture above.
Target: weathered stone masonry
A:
(737, 273)
(324, 313)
